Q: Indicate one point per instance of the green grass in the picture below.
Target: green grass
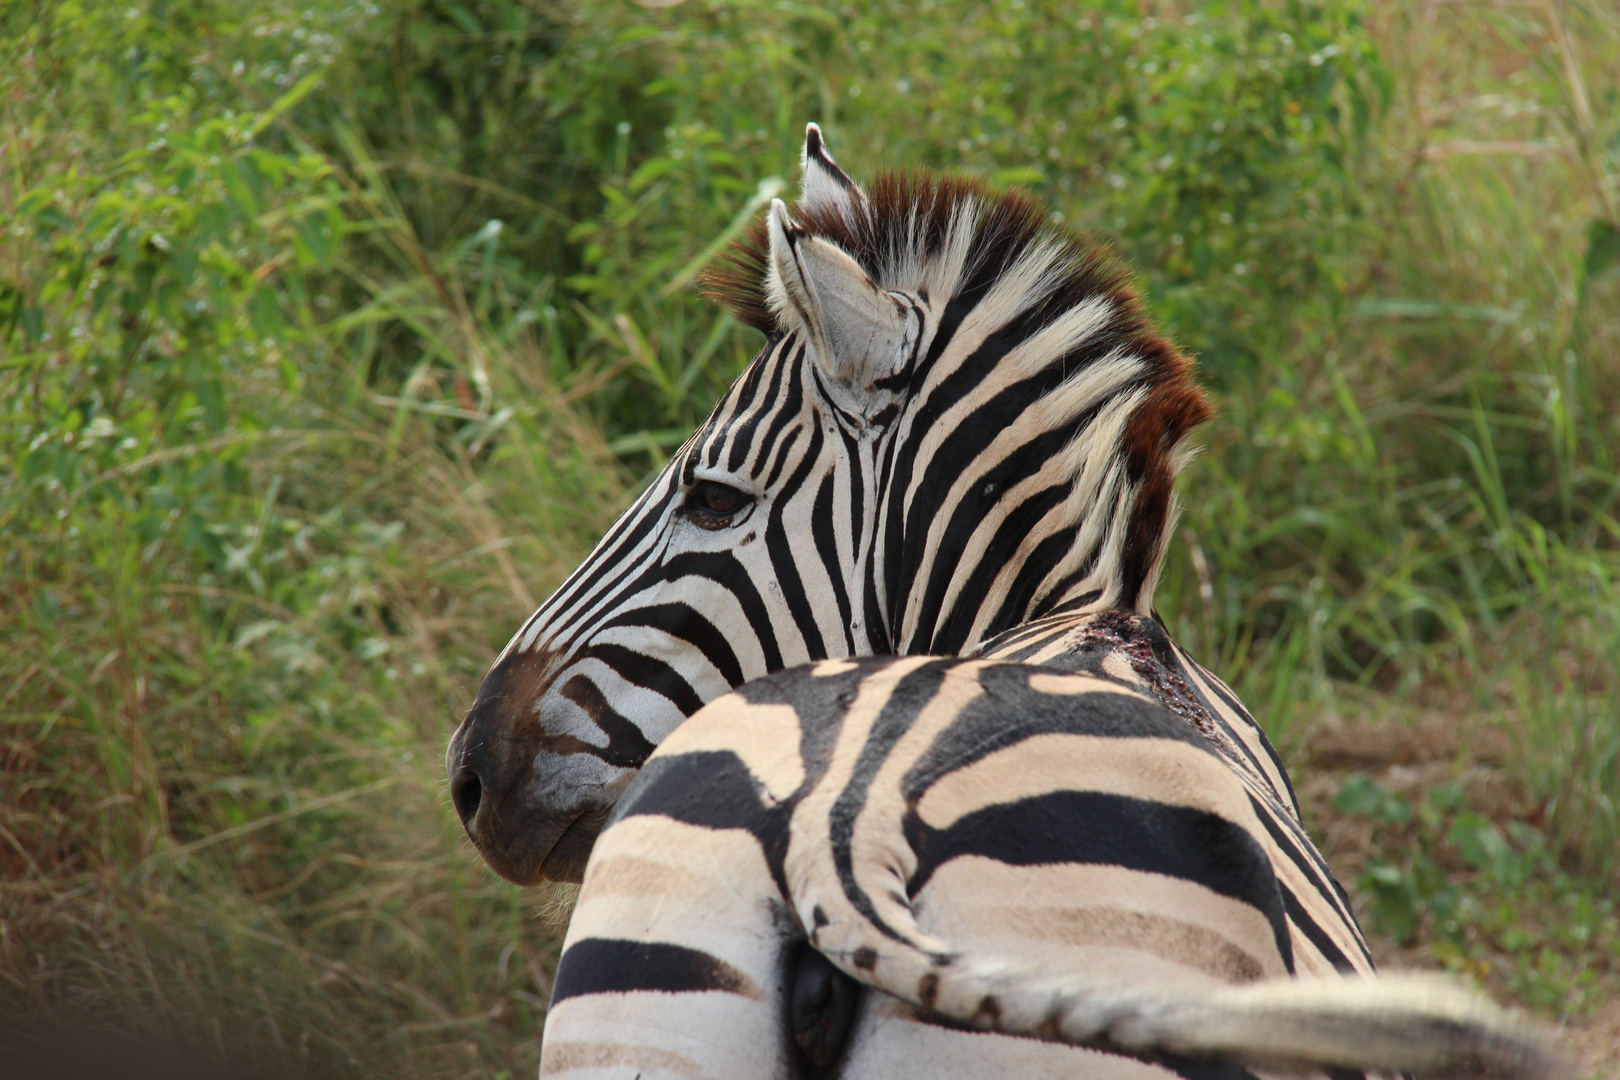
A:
(328, 344)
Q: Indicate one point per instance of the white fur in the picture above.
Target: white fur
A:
(825, 188)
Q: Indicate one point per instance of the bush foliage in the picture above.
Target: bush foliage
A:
(331, 333)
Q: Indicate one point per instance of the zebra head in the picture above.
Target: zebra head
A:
(960, 420)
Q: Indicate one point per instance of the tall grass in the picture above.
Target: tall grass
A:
(247, 591)
(236, 776)
(328, 344)
(1422, 500)
(1440, 462)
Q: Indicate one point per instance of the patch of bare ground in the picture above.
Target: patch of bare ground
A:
(1411, 752)
(1594, 1042)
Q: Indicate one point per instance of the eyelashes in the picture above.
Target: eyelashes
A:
(712, 505)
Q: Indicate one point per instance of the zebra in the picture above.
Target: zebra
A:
(1048, 870)
(962, 434)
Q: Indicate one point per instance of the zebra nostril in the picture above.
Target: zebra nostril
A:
(466, 792)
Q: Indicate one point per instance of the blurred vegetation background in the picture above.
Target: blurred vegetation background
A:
(333, 333)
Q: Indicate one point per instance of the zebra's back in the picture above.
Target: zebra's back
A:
(918, 815)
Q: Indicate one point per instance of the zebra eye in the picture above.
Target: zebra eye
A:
(712, 505)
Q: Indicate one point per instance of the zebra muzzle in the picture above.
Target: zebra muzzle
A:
(525, 836)
(527, 783)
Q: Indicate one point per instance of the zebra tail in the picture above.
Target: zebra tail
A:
(1398, 1023)
(1422, 1024)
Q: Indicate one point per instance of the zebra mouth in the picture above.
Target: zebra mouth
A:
(567, 858)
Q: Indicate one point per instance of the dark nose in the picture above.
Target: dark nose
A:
(466, 792)
(517, 796)
(491, 752)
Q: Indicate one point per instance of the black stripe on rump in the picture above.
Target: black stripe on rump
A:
(1101, 829)
(711, 789)
(1220, 690)
(616, 966)
(821, 702)
(911, 694)
(1317, 935)
(1189, 1068)
(1304, 856)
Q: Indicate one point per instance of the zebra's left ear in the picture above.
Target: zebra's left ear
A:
(858, 334)
(824, 186)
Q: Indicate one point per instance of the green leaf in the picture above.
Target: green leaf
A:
(11, 305)
(292, 97)
(1360, 795)
(1481, 844)
(33, 322)
(1028, 176)
(1602, 251)
(265, 311)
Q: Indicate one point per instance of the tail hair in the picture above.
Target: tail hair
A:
(1425, 1024)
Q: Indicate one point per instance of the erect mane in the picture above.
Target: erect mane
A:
(916, 228)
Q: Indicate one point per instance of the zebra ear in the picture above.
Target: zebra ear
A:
(825, 187)
(857, 333)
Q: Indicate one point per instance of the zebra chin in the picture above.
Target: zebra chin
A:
(533, 812)
(529, 785)
(532, 862)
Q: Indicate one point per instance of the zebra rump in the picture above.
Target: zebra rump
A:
(1046, 873)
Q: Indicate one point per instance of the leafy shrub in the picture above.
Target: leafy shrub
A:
(1491, 899)
(617, 150)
